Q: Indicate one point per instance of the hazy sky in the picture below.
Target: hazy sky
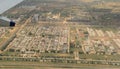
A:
(7, 4)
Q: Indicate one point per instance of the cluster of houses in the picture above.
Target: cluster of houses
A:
(101, 42)
(3, 30)
(40, 39)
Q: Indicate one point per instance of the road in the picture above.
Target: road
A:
(15, 31)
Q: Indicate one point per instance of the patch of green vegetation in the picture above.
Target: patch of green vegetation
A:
(106, 28)
(1, 39)
(7, 53)
(109, 19)
(100, 57)
(55, 54)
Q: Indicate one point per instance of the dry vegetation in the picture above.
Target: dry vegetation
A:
(87, 0)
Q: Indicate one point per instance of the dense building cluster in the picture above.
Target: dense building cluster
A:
(67, 31)
(2, 30)
(101, 42)
(39, 39)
